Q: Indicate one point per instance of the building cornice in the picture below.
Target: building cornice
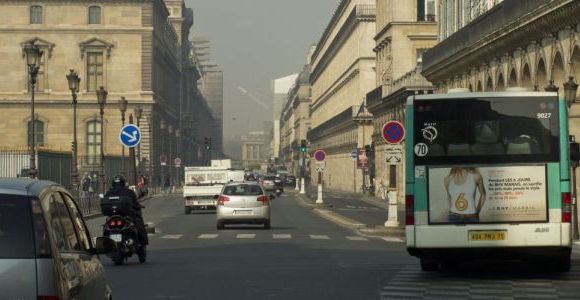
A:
(107, 30)
(390, 25)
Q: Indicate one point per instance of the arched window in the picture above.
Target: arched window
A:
(39, 133)
(36, 14)
(93, 142)
(94, 15)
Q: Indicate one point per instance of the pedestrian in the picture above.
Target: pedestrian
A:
(86, 184)
(94, 187)
(167, 184)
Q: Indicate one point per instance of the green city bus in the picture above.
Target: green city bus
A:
(487, 176)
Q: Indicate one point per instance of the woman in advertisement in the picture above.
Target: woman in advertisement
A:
(462, 186)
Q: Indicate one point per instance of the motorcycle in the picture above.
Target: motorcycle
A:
(121, 228)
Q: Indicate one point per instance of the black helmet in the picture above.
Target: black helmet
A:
(118, 181)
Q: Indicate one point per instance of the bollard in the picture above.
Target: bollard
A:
(319, 199)
(302, 188)
(392, 219)
(297, 188)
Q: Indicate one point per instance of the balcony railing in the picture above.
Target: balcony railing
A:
(410, 79)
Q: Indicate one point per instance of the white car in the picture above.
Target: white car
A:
(243, 203)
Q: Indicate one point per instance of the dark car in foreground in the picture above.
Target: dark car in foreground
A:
(46, 250)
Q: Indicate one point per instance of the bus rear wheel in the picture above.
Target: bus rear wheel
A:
(428, 265)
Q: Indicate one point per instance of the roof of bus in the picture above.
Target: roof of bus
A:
(462, 95)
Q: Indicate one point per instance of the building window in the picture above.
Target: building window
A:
(426, 10)
(94, 70)
(93, 142)
(94, 15)
(39, 133)
(36, 14)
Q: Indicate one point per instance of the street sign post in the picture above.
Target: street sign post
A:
(394, 154)
(177, 162)
(393, 132)
(163, 159)
(319, 157)
(130, 135)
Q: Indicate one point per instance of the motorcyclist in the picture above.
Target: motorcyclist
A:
(119, 189)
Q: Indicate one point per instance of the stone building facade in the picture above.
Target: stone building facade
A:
(342, 72)
(255, 152)
(295, 122)
(516, 43)
(133, 48)
(405, 29)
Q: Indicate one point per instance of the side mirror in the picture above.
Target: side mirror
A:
(105, 245)
(272, 197)
(216, 196)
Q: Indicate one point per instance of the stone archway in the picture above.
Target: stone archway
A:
(527, 77)
(479, 86)
(500, 86)
(541, 77)
(489, 85)
(513, 79)
(558, 73)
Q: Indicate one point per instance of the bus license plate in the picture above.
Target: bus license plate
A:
(480, 235)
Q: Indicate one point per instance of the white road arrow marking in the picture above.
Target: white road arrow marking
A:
(133, 137)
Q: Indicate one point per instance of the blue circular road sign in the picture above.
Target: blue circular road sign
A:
(393, 132)
(130, 135)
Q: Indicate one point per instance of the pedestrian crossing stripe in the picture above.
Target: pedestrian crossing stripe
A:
(282, 236)
(245, 236)
(172, 236)
(319, 237)
(393, 240)
(356, 238)
(208, 236)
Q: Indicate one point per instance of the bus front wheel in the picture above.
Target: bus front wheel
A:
(428, 265)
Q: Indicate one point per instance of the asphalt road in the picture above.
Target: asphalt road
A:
(304, 257)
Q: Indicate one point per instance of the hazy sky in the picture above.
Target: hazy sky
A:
(255, 41)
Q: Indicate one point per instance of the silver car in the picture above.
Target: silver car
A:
(46, 251)
(243, 203)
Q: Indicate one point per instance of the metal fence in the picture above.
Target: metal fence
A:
(52, 165)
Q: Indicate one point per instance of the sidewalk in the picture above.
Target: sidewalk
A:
(364, 213)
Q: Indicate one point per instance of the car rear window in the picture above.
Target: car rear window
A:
(242, 190)
(16, 235)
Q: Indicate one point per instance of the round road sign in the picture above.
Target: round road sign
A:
(319, 155)
(163, 159)
(177, 161)
(393, 132)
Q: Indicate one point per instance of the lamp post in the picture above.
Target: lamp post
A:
(138, 112)
(73, 85)
(33, 58)
(123, 108)
(570, 90)
(102, 100)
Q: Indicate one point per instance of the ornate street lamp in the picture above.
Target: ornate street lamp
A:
(102, 100)
(33, 59)
(570, 90)
(123, 108)
(73, 85)
(551, 87)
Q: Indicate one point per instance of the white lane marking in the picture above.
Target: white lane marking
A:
(282, 236)
(319, 237)
(208, 236)
(356, 238)
(172, 236)
(245, 236)
(393, 240)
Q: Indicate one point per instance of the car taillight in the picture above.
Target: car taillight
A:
(409, 210)
(566, 208)
(47, 298)
(115, 223)
(222, 200)
(264, 200)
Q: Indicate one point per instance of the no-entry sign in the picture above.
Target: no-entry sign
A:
(319, 155)
(393, 132)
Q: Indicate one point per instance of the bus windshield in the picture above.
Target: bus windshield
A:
(486, 130)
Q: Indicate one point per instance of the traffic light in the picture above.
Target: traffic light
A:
(207, 143)
(303, 146)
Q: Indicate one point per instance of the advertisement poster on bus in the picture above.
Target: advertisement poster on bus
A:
(362, 161)
(487, 194)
